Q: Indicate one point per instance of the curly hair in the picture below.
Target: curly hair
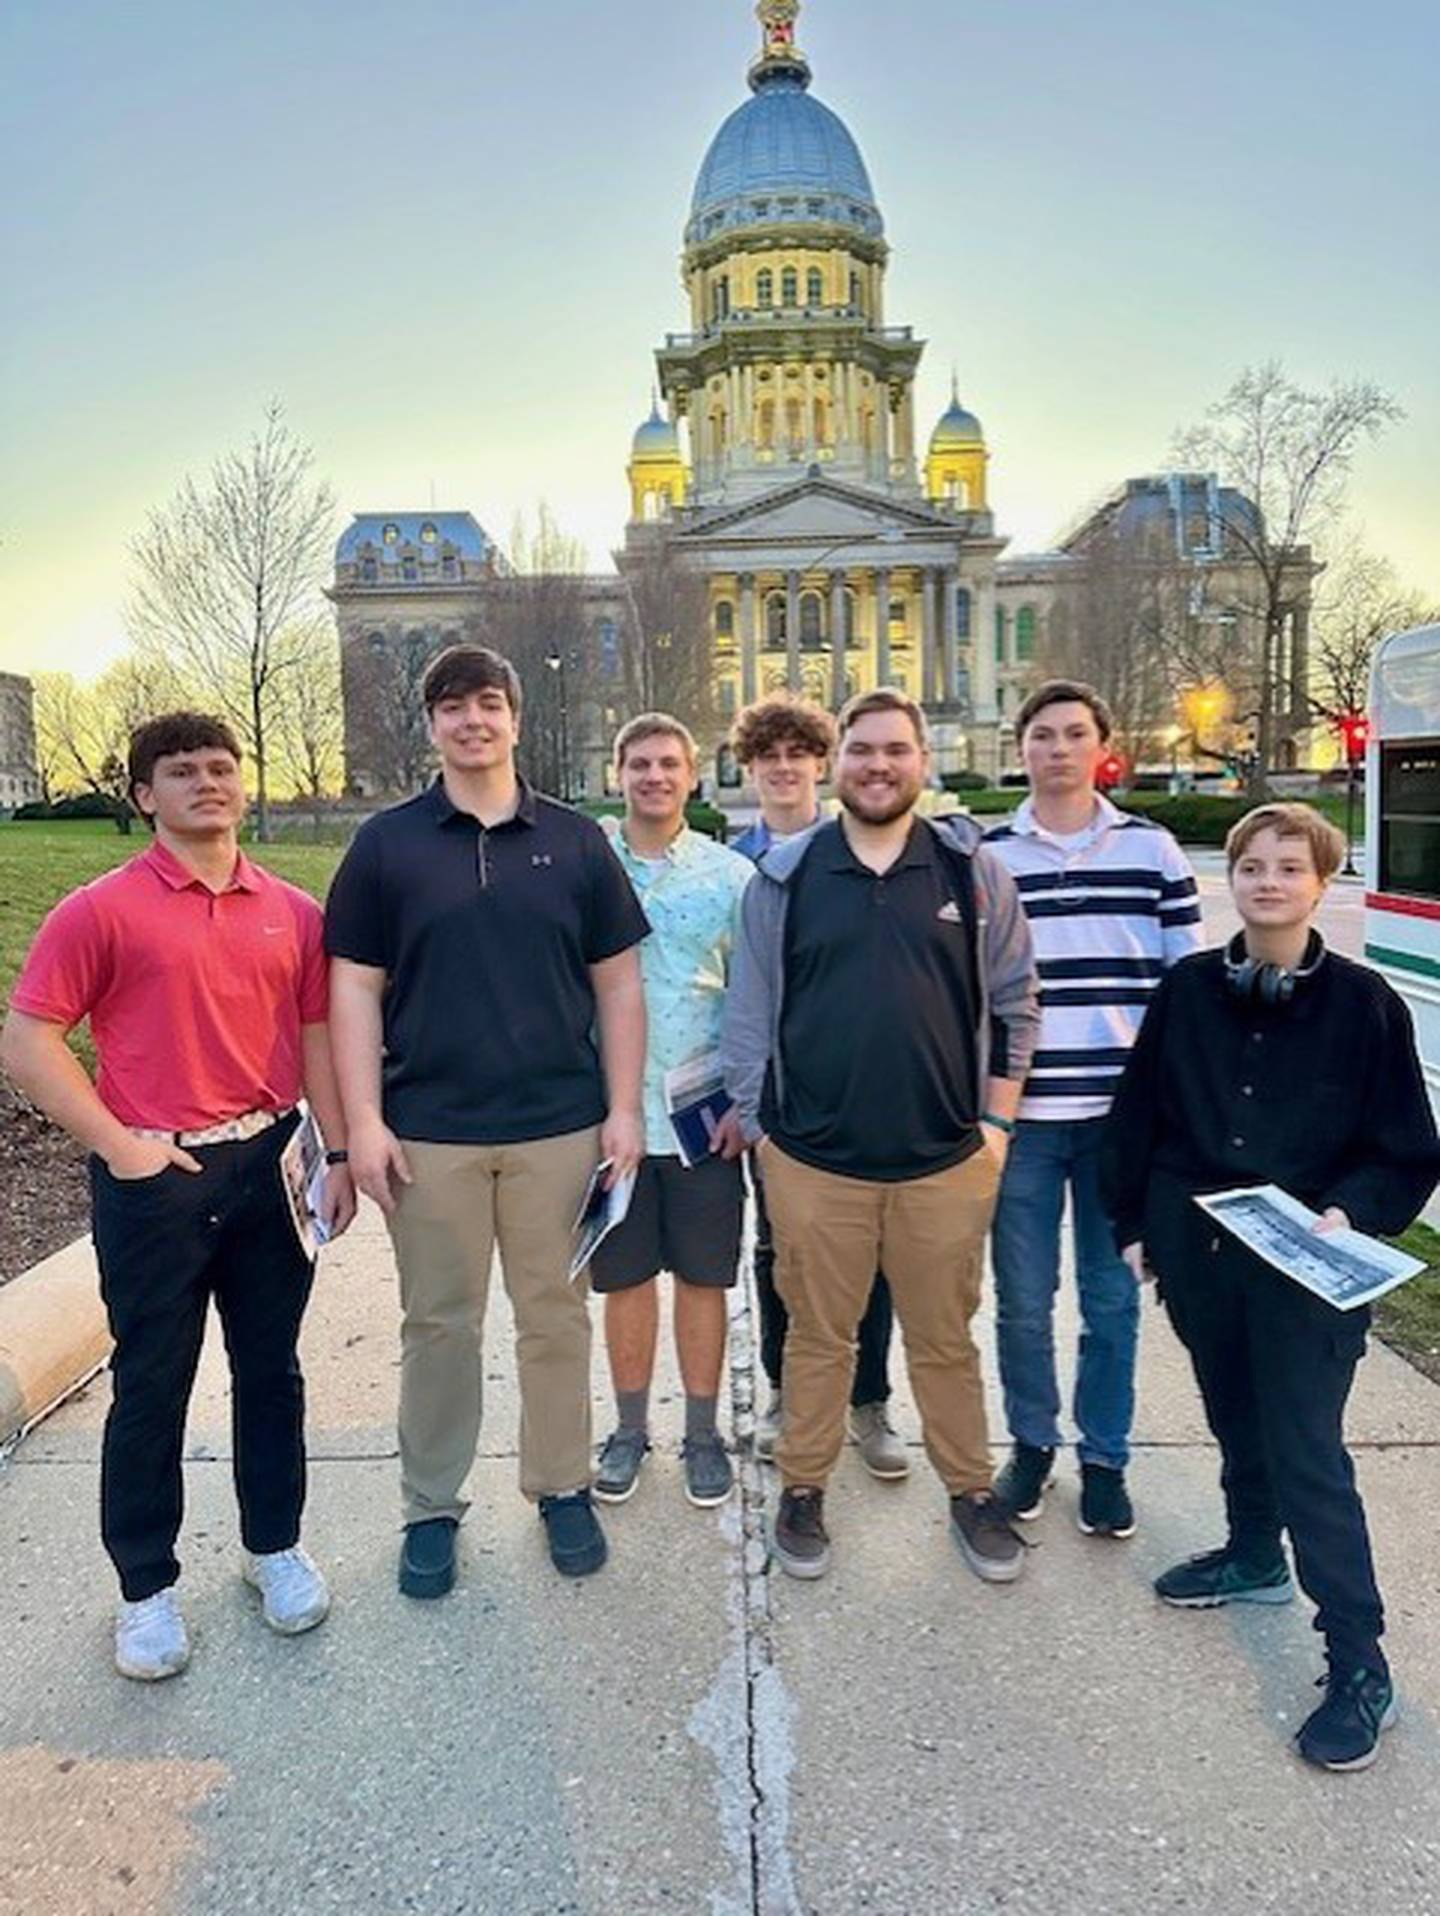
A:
(781, 718)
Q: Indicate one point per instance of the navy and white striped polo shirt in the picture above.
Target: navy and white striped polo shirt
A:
(1109, 913)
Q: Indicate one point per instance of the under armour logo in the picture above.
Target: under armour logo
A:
(949, 912)
(541, 858)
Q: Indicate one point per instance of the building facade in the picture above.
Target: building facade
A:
(19, 767)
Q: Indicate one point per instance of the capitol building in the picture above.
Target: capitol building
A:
(837, 543)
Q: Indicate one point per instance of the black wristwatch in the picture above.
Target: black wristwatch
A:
(337, 1157)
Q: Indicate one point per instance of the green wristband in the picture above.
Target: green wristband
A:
(1007, 1125)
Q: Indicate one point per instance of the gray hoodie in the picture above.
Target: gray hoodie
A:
(1010, 1005)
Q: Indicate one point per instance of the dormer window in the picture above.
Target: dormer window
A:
(789, 287)
(428, 534)
(390, 535)
(409, 571)
(369, 571)
(448, 567)
(762, 209)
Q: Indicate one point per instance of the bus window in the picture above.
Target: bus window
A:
(1410, 819)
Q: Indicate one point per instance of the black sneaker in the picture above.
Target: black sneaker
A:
(1344, 1733)
(1105, 1507)
(799, 1538)
(427, 1558)
(1022, 1483)
(618, 1470)
(987, 1541)
(577, 1543)
(1219, 1576)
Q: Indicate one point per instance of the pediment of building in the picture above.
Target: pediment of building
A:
(812, 509)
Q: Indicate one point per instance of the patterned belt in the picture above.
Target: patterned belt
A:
(249, 1124)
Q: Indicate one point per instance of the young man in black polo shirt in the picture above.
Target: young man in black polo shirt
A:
(1274, 1061)
(478, 934)
(878, 1029)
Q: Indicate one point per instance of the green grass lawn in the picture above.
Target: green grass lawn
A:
(1409, 1318)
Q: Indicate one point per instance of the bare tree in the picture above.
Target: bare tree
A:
(310, 727)
(1114, 625)
(537, 617)
(228, 571)
(1362, 602)
(388, 738)
(83, 731)
(669, 662)
(1288, 452)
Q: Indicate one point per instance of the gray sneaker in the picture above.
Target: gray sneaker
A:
(881, 1451)
(988, 1543)
(767, 1428)
(709, 1474)
(618, 1470)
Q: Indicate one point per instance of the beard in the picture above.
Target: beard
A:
(878, 804)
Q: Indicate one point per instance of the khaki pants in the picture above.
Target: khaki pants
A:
(928, 1236)
(465, 1199)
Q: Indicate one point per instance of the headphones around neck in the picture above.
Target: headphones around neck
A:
(1268, 984)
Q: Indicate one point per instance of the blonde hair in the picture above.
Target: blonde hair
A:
(654, 725)
(1327, 844)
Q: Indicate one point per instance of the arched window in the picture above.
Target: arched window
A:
(794, 424)
(767, 424)
(897, 618)
(1025, 635)
(812, 628)
(650, 506)
(789, 287)
(822, 434)
(724, 621)
(607, 638)
(775, 619)
(962, 612)
(814, 287)
(1000, 634)
(764, 287)
(390, 535)
(850, 602)
(855, 291)
(428, 534)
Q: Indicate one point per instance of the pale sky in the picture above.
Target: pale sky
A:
(446, 236)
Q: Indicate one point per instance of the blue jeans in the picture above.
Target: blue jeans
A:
(1043, 1158)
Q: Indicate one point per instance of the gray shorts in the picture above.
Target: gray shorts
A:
(683, 1221)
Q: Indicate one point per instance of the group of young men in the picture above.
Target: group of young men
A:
(930, 1036)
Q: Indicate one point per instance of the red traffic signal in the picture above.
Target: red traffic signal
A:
(1110, 772)
(1354, 730)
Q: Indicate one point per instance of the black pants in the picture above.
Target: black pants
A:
(1275, 1364)
(872, 1356)
(165, 1245)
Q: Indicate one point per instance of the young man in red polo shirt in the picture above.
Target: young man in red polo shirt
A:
(204, 980)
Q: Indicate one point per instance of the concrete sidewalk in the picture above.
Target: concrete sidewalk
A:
(685, 1732)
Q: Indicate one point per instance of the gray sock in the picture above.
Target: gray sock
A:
(634, 1408)
(699, 1417)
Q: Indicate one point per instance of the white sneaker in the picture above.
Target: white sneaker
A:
(295, 1595)
(151, 1641)
(767, 1428)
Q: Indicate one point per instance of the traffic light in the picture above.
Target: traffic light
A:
(1110, 772)
(1355, 735)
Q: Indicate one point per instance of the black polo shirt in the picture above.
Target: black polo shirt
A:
(878, 1052)
(486, 937)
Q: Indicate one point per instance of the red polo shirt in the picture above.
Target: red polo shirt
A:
(195, 998)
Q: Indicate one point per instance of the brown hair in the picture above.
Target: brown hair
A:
(470, 668)
(884, 698)
(172, 732)
(654, 725)
(780, 718)
(1066, 692)
(1326, 842)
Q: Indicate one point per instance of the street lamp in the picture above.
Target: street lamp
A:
(555, 660)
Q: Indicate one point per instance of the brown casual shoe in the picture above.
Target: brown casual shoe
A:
(988, 1543)
(798, 1538)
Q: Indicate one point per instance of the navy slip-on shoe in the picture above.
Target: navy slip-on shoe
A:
(577, 1543)
(427, 1558)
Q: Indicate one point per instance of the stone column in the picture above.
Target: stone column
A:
(792, 631)
(840, 392)
(905, 429)
(983, 677)
(1300, 666)
(882, 625)
(949, 634)
(749, 641)
(927, 635)
(837, 639)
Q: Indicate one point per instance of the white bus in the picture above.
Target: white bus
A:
(1402, 831)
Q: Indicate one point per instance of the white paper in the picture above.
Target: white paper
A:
(600, 1211)
(302, 1179)
(1345, 1268)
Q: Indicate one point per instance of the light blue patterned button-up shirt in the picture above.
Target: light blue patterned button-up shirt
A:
(692, 898)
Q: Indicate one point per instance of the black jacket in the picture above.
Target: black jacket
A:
(1323, 1096)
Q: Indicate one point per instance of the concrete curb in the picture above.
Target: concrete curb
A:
(53, 1334)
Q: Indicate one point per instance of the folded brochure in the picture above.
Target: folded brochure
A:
(696, 1098)
(1344, 1267)
(302, 1179)
(600, 1211)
